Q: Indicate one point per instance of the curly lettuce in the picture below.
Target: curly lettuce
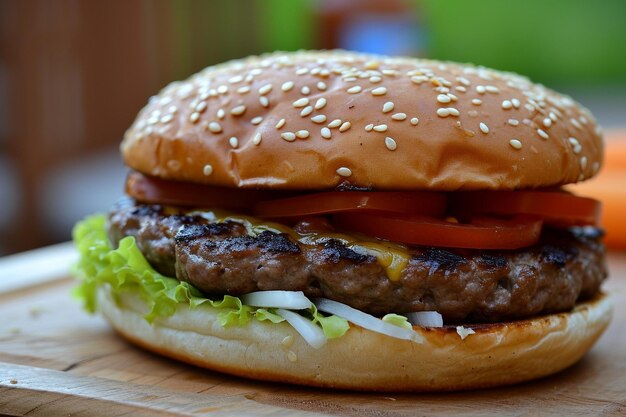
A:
(125, 270)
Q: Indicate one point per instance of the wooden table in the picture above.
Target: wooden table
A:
(57, 360)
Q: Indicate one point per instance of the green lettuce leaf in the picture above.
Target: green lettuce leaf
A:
(398, 320)
(126, 270)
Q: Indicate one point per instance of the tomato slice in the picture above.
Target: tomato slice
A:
(414, 202)
(480, 233)
(560, 209)
(154, 190)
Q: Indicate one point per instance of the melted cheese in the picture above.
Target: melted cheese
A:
(391, 256)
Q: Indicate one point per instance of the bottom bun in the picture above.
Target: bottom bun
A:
(496, 354)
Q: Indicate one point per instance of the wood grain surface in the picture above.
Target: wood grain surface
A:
(57, 360)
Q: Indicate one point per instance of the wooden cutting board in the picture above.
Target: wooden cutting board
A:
(57, 360)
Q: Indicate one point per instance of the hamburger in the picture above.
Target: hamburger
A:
(354, 221)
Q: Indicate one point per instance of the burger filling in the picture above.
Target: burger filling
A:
(381, 259)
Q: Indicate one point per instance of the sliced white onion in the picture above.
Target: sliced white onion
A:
(426, 318)
(293, 300)
(310, 331)
(365, 320)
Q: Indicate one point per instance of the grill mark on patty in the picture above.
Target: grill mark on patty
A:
(435, 258)
(463, 285)
(194, 231)
(266, 241)
(334, 251)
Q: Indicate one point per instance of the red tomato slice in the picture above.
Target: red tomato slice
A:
(414, 202)
(154, 190)
(555, 208)
(481, 233)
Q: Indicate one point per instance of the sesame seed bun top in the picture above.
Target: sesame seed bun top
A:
(317, 120)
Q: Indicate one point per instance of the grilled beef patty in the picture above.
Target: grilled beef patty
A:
(462, 285)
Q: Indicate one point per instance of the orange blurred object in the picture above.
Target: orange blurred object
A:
(610, 188)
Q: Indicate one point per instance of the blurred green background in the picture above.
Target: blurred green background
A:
(74, 73)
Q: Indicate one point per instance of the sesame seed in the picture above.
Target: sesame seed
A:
(237, 111)
(375, 79)
(194, 117)
(265, 89)
(390, 143)
(515, 143)
(483, 128)
(553, 116)
(595, 167)
(302, 134)
(516, 103)
(349, 79)
(306, 111)
(264, 101)
(173, 164)
(480, 89)
(215, 127)
(257, 139)
(547, 122)
(542, 133)
(576, 124)
(207, 170)
(335, 123)
(513, 122)
(453, 111)
(344, 171)
(287, 86)
(288, 136)
(326, 134)
(320, 103)
(369, 127)
(418, 79)
(388, 106)
(390, 72)
(244, 89)
(320, 118)
(506, 104)
(302, 71)
(399, 116)
(477, 102)
(452, 97)
(583, 162)
(443, 112)
(280, 123)
(345, 126)
(380, 91)
(305, 90)
(222, 89)
(576, 145)
(201, 107)
(460, 88)
(220, 114)
(167, 118)
(443, 98)
(256, 120)
(235, 79)
(414, 121)
(321, 85)
(380, 128)
(301, 102)
(491, 89)
(463, 80)
(234, 142)
(354, 90)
